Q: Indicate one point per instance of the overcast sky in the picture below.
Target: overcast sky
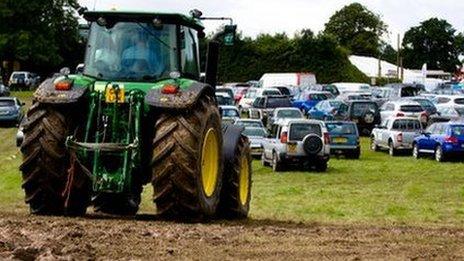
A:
(271, 16)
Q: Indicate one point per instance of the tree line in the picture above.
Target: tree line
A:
(42, 35)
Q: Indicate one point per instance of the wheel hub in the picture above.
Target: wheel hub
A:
(209, 162)
(244, 179)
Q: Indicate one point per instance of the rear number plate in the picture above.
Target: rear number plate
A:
(340, 140)
(291, 148)
(110, 95)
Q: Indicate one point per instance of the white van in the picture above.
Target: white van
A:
(344, 87)
(287, 79)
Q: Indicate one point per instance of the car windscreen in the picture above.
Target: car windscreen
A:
(278, 102)
(406, 124)
(254, 132)
(457, 130)
(459, 101)
(341, 128)
(411, 108)
(425, 103)
(293, 114)
(284, 90)
(299, 130)
(7, 103)
(360, 108)
(332, 89)
(229, 113)
(317, 96)
(221, 100)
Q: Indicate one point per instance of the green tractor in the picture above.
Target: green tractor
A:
(137, 114)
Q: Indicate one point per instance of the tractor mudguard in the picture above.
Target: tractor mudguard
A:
(231, 136)
(46, 93)
(184, 99)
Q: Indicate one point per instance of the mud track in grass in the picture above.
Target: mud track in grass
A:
(28, 237)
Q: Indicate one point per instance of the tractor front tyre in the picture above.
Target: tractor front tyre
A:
(187, 162)
(236, 189)
(46, 165)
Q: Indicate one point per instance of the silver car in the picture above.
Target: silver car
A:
(256, 136)
(297, 142)
(395, 134)
(404, 108)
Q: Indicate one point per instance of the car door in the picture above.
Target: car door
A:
(430, 139)
(271, 142)
(317, 111)
(386, 110)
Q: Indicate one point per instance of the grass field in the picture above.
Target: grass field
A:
(376, 189)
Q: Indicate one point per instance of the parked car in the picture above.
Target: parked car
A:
(252, 93)
(228, 91)
(282, 114)
(287, 79)
(365, 114)
(325, 110)
(11, 110)
(395, 134)
(256, 136)
(284, 91)
(401, 90)
(297, 142)
(307, 100)
(20, 80)
(326, 88)
(344, 139)
(252, 123)
(4, 91)
(451, 112)
(427, 104)
(351, 87)
(267, 104)
(442, 140)
(224, 99)
(239, 92)
(355, 96)
(448, 100)
(404, 108)
(229, 114)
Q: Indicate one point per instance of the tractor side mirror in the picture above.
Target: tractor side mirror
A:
(65, 71)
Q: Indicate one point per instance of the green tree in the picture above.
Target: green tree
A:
(40, 34)
(434, 42)
(389, 54)
(357, 28)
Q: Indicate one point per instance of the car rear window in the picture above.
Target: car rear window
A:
(341, 128)
(405, 124)
(255, 132)
(284, 91)
(19, 76)
(459, 101)
(7, 103)
(278, 102)
(425, 103)
(360, 108)
(249, 124)
(229, 113)
(317, 97)
(271, 92)
(457, 130)
(299, 130)
(289, 114)
(460, 111)
(411, 108)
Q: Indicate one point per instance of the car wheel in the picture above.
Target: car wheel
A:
(415, 151)
(439, 155)
(391, 149)
(276, 165)
(263, 160)
(374, 146)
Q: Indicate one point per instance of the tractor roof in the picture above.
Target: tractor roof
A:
(170, 18)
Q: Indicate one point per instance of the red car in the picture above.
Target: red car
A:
(239, 92)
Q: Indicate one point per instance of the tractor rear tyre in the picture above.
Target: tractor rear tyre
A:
(46, 164)
(235, 194)
(187, 162)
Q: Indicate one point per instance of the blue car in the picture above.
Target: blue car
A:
(11, 110)
(443, 140)
(325, 110)
(307, 100)
(344, 139)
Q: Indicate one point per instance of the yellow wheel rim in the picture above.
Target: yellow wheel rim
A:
(244, 182)
(209, 162)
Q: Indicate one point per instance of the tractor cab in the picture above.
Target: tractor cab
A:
(138, 47)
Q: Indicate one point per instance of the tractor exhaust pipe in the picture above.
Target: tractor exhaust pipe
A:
(212, 58)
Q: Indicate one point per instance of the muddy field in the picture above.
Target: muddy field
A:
(97, 237)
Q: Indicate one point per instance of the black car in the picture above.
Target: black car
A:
(269, 103)
(365, 114)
